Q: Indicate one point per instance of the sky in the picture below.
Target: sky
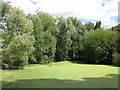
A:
(85, 10)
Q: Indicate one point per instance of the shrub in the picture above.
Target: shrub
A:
(116, 59)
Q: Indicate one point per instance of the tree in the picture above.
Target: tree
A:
(48, 23)
(118, 43)
(19, 49)
(1, 45)
(4, 11)
(116, 55)
(69, 38)
(77, 30)
(116, 28)
(45, 44)
(72, 37)
(63, 40)
(18, 39)
(116, 59)
(48, 27)
(89, 26)
(37, 33)
(5, 8)
(98, 25)
(99, 46)
(48, 48)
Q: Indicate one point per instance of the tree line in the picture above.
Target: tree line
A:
(40, 38)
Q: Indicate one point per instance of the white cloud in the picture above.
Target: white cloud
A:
(88, 9)
(25, 5)
(108, 11)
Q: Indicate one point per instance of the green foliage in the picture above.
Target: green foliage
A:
(116, 59)
(63, 39)
(4, 11)
(41, 38)
(19, 42)
(98, 46)
(1, 45)
(89, 26)
(37, 33)
(17, 23)
(48, 23)
(118, 43)
(45, 44)
(68, 39)
(76, 30)
(72, 33)
(116, 28)
(4, 8)
(47, 48)
(98, 25)
(19, 49)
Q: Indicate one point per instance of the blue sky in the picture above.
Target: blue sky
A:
(104, 2)
(32, 1)
(86, 20)
(84, 10)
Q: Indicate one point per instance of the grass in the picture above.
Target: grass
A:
(62, 75)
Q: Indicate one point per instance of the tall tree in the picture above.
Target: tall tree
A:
(37, 33)
(63, 40)
(77, 30)
(45, 44)
(18, 39)
(4, 11)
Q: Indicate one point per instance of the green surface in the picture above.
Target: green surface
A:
(62, 75)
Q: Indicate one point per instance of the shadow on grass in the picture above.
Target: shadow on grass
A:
(78, 62)
(83, 62)
(102, 82)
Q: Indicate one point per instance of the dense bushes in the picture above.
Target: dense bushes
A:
(116, 59)
(98, 46)
(116, 56)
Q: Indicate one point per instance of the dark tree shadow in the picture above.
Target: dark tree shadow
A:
(102, 82)
(83, 62)
(78, 62)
